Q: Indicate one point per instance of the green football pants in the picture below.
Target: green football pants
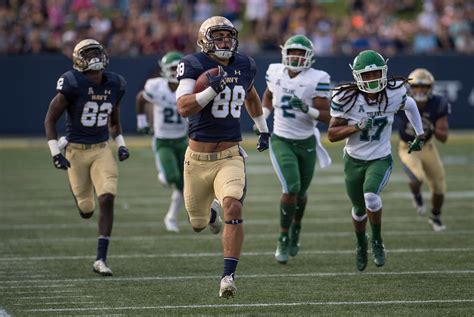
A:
(365, 177)
(294, 163)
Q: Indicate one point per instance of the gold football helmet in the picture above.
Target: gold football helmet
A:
(89, 55)
(206, 40)
(421, 84)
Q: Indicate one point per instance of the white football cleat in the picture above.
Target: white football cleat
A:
(227, 289)
(102, 268)
(62, 143)
(436, 224)
(171, 224)
(216, 226)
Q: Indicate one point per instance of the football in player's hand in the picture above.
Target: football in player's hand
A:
(203, 82)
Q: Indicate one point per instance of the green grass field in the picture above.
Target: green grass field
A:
(47, 250)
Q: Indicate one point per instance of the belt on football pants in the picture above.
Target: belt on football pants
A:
(79, 146)
(227, 153)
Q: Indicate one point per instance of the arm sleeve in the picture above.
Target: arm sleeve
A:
(413, 115)
(337, 106)
(323, 87)
(148, 91)
(189, 67)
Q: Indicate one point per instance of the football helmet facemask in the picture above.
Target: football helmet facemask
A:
(421, 83)
(168, 65)
(297, 63)
(368, 61)
(207, 42)
(89, 55)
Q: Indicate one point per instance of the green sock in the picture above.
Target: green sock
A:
(300, 208)
(376, 231)
(361, 238)
(287, 211)
(283, 236)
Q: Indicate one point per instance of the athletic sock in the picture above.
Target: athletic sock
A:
(287, 211)
(361, 238)
(102, 246)
(230, 265)
(176, 203)
(376, 231)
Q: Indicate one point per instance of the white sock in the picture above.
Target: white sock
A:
(176, 203)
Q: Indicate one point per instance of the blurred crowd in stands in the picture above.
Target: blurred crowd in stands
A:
(141, 27)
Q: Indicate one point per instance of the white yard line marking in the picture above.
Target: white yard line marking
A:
(158, 224)
(211, 254)
(59, 303)
(194, 236)
(197, 277)
(246, 305)
(35, 286)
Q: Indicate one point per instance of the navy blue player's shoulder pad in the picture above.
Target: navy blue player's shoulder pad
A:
(116, 79)
(443, 107)
(191, 66)
(67, 84)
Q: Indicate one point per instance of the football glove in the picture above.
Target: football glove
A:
(365, 124)
(123, 153)
(263, 141)
(415, 145)
(297, 103)
(60, 162)
(217, 83)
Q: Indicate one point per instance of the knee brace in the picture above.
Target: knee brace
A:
(373, 202)
(358, 218)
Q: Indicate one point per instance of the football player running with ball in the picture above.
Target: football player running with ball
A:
(434, 111)
(363, 113)
(214, 161)
(169, 129)
(91, 97)
(299, 95)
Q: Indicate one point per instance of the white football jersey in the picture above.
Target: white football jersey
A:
(167, 122)
(288, 122)
(374, 143)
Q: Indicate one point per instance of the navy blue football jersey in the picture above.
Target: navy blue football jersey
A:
(436, 107)
(219, 120)
(90, 105)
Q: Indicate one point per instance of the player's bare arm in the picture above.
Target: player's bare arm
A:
(322, 104)
(441, 129)
(188, 105)
(339, 129)
(144, 111)
(253, 103)
(56, 108)
(267, 100)
(115, 127)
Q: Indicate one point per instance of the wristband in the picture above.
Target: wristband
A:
(53, 147)
(120, 141)
(261, 124)
(206, 96)
(313, 112)
(141, 121)
(266, 112)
